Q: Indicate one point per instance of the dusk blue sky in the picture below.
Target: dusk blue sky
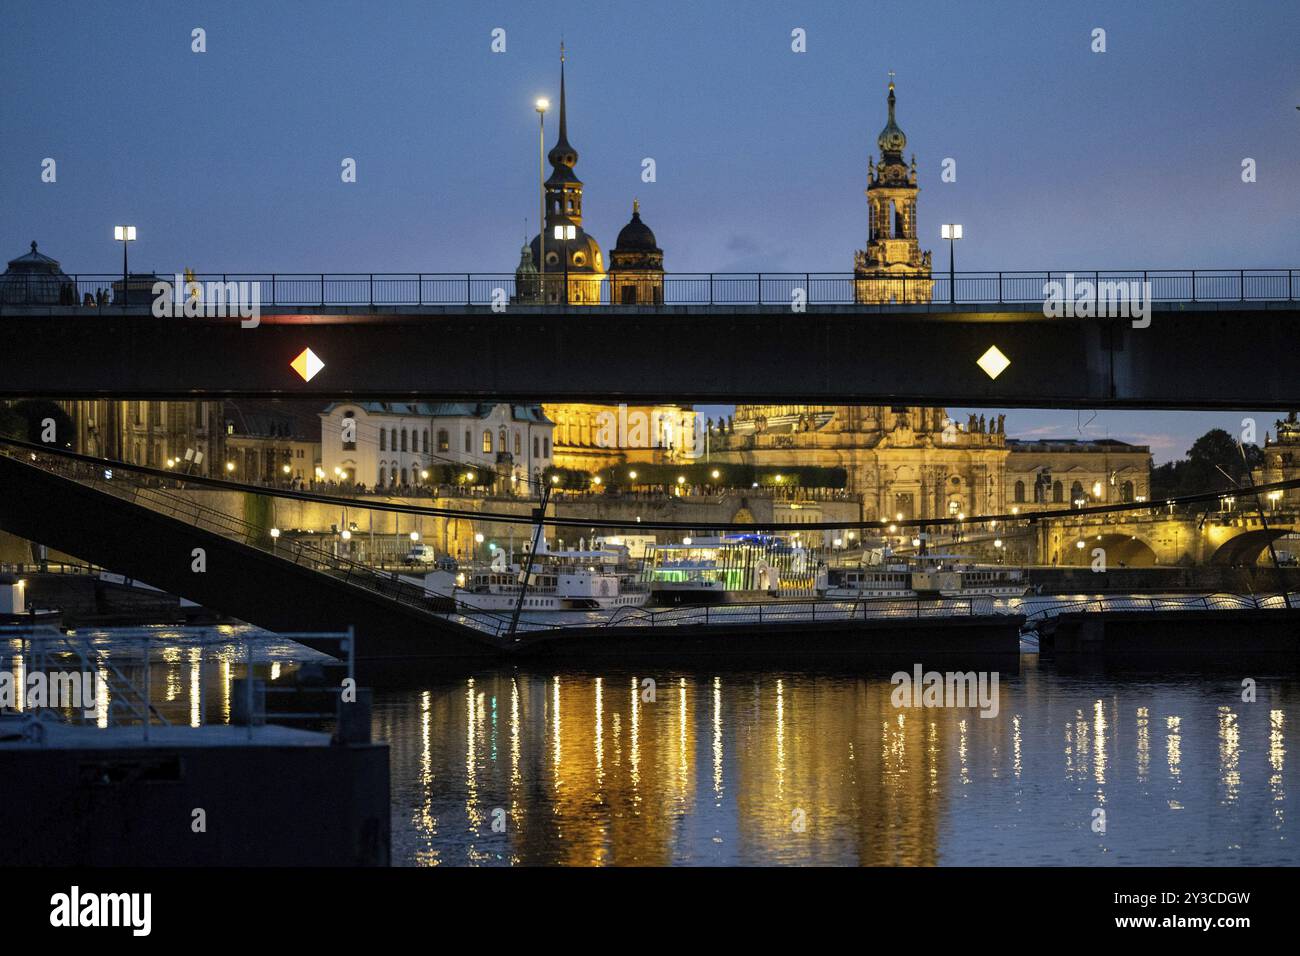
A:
(229, 160)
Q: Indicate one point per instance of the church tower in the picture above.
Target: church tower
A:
(892, 268)
(636, 265)
(573, 258)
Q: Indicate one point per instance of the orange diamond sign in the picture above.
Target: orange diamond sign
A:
(307, 364)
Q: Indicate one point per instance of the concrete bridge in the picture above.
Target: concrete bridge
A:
(892, 354)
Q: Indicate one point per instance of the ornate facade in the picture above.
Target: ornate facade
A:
(636, 265)
(912, 461)
(904, 461)
(585, 440)
(572, 268)
(573, 260)
(1282, 463)
(185, 435)
(1055, 473)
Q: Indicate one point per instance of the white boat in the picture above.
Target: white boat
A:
(931, 575)
(558, 581)
(872, 581)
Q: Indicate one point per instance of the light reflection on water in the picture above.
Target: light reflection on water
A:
(581, 768)
(784, 767)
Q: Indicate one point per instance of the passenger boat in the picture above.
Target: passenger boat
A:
(930, 575)
(577, 580)
(732, 569)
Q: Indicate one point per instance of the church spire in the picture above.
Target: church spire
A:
(563, 157)
(891, 140)
(564, 124)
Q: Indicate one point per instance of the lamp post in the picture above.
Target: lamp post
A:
(124, 235)
(564, 233)
(541, 106)
(952, 232)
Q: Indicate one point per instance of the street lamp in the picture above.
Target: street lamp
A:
(565, 233)
(541, 106)
(952, 232)
(124, 234)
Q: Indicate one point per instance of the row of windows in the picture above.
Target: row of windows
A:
(1058, 492)
(411, 440)
(388, 438)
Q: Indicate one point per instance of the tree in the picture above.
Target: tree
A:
(1210, 457)
(33, 412)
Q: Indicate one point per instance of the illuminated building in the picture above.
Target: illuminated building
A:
(573, 258)
(1282, 463)
(915, 461)
(892, 268)
(636, 265)
(392, 444)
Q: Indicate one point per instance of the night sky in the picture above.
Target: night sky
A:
(229, 160)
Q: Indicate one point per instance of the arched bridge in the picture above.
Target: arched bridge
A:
(1145, 539)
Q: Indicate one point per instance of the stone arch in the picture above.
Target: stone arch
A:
(1246, 548)
(1130, 550)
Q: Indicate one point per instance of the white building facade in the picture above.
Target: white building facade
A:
(396, 444)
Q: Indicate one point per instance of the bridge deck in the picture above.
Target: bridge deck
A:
(1192, 355)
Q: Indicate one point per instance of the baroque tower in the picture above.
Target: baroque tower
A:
(573, 258)
(892, 268)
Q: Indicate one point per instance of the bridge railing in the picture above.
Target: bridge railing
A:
(806, 610)
(1218, 601)
(138, 491)
(342, 289)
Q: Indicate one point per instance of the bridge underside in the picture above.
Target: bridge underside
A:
(1247, 548)
(1191, 356)
(1123, 550)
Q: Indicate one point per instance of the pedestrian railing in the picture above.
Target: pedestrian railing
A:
(125, 485)
(769, 612)
(343, 290)
(1176, 602)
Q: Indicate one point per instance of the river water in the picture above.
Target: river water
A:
(505, 766)
(789, 767)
